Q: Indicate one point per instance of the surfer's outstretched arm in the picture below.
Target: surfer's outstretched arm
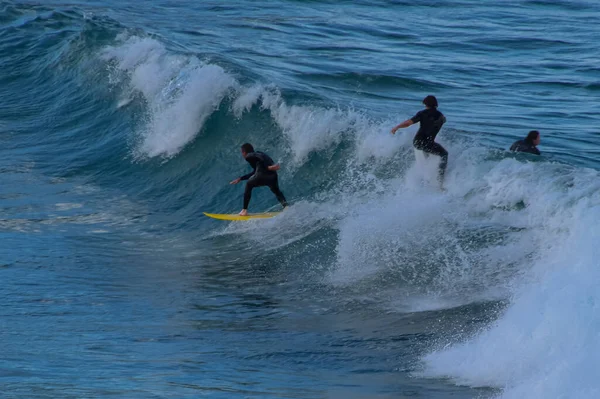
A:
(248, 175)
(245, 177)
(404, 124)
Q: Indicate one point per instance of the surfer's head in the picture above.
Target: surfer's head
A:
(533, 137)
(247, 149)
(430, 102)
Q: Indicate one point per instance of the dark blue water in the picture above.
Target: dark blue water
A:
(121, 123)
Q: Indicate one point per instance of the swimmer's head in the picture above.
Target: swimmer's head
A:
(247, 149)
(534, 137)
(430, 102)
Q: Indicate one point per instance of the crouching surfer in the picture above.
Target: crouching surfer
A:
(264, 173)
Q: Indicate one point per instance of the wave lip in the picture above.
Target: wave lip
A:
(180, 92)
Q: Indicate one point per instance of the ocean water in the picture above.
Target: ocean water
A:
(120, 123)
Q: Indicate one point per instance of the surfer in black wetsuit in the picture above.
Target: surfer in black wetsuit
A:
(431, 121)
(528, 144)
(264, 174)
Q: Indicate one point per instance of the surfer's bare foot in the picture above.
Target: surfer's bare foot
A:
(244, 212)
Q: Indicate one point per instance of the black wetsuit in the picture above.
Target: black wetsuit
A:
(431, 121)
(525, 146)
(261, 176)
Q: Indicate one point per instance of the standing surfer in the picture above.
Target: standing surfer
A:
(431, 121)
(264, 174)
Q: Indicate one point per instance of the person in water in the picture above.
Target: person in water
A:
(528, 144)
(264, 174)
(431, 121)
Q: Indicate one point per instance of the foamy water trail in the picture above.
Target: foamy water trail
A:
(445, 248)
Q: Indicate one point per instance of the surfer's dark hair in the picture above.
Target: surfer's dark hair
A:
(247, 148)
(532, 136)
(430, 101)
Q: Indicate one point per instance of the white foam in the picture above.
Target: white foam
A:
(375, 142)
(547, 343)
(506, 229)
(246, 99)
(452, 248)
(311, 129)
(176, 124)
(180, 92)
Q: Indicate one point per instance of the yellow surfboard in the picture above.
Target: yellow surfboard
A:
(237, 218)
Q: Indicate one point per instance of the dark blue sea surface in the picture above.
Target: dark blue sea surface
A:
(120, 123)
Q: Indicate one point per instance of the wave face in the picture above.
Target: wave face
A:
(120, 125)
